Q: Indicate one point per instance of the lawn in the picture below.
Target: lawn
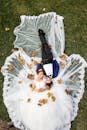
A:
(75, 23)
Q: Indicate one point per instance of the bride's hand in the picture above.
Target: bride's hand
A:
(41, 89)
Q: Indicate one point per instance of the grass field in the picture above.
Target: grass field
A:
(75, 23)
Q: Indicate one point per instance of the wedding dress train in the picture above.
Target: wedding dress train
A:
(59, 105)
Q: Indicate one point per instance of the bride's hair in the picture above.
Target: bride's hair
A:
(49, 84)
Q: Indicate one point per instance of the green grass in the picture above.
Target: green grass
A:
(75, 23)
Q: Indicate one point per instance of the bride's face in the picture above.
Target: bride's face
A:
(40, 75)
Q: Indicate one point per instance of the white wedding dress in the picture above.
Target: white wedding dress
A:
(59, 108)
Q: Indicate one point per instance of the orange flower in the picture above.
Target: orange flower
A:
(39, 104)
(68, 91)
(29, 66)
(31, 85)
(10, 67)
(20, 81)
(53, 98)
(49, 94)
(59, 81)
(63, 57)
(21, 60)
(43, 101)
(33, 53)
(29, 99)
(30, 76)
(35, 62)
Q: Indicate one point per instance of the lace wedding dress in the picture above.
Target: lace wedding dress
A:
(59, 105)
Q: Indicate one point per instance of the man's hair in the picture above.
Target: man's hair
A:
(47, 56)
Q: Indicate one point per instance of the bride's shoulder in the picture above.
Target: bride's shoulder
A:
(39, 84)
